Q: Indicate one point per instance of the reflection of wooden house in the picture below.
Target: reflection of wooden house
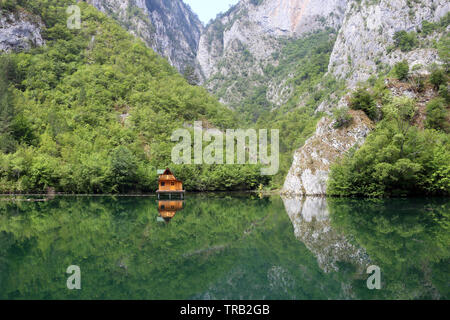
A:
(168, 208)
(168, 184)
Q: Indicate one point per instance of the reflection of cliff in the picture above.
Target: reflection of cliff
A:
(310, 219)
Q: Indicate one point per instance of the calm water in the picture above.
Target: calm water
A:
(224, 247)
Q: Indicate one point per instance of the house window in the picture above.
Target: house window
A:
(163, 207)
(173, 183)
(163, 184)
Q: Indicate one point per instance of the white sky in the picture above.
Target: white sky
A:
(208, 9)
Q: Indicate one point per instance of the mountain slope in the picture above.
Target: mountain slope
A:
(93, 112)
(169, 27)
(377, 39)
(237, 47)
(366, 42)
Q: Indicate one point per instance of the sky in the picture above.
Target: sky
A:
(208, 9)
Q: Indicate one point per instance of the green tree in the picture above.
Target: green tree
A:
(437, 77)
(436, 113)
(124, 168)
(342, 118)
(7, 109)
(363, 100)
(401, 70)
(190, 75)
(406, 41)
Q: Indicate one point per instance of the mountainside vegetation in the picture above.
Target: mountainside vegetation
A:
(93, 110)
(408, 153)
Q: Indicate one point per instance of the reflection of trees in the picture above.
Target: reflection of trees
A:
(223, 248)
(407, 238)
(216, 247)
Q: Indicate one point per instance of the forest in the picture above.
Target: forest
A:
(93, 110)
(404, 155)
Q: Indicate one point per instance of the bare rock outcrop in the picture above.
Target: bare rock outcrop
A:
(310, 168)
(366, 39)
(20, 31)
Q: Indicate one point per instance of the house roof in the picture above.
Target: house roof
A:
(167, 175)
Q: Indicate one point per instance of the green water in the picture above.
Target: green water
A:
(224, 247)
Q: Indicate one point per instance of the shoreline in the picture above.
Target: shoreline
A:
(47, 197)
(276, 192)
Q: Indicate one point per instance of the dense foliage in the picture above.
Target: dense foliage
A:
(406, 41)
(397, 159)
(401, 70)
(94, 109)
(400, 157)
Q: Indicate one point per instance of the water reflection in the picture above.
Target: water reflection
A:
(224, 247)
(167, 209)
(408, 238)
(311, 221)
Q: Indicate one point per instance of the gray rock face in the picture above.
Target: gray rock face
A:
(243, 41)
(19, 31)
(167, 26)
(368, 30)
(310, 168)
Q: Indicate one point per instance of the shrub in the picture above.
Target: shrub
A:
(342, 118)
(436, 115)
(401, 70)
(444, 93)
(437, 77)
(405, 41)
(363, 100)
(428, 27)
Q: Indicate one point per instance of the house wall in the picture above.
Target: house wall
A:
(170, 186)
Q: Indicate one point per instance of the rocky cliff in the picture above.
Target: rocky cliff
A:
(240, 43)
(168, 26)
(19, 31)
(365, 44)
(309, 172)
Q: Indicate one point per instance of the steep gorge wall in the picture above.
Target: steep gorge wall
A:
(167, 26)
(363, 46)
(311, 165)
(242, 42)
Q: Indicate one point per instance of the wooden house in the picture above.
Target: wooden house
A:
(169, 184)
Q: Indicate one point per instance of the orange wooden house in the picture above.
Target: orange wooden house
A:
(168, 184)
